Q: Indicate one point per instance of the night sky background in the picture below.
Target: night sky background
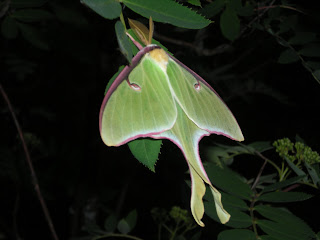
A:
(56, 94)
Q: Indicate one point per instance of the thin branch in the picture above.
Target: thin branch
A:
(281, 6)
(269, 161)
(29, 162)
(256, 18)
(259, 174)
(201, 51)
(288, 189)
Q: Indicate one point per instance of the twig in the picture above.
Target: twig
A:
(29, 162)
(201, 51)
(269, 161)
(291, 187)
(256, 18)
(259, 175)
(281, 6)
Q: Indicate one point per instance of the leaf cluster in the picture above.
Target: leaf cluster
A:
(175, 224)
(113, 227)
(257, 211)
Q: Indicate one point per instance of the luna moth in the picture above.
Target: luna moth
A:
(159, 97)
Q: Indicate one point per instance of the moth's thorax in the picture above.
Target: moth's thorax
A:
(160, 56)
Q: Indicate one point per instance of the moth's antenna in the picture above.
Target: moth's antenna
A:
(151, 27)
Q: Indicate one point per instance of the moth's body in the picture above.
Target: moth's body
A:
(161, 57)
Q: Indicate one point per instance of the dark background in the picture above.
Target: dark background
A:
(56, 94)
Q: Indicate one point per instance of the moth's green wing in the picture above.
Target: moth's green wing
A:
(186, 135)
(202, 105)
(147, 109)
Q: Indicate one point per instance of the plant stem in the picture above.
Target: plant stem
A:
(173, 234)
(122, 20)
(159, 231)
(167, 228)
(259, 175)
(29, 162)
(254, 226)
(269, 161)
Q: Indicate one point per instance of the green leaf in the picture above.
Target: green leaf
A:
(229, 181)
(282, 230)
(288, 56)
(123, 226)
(146, 151)
(195, 2)
(233, 202)
(9, 28)
(238, 218)
(229, 24)
(213, 8)
(297, 170)
(217, 154)
(316, 75)
(131, 218)
(68, 14)
(109, 9)
(27, 3)
(110, 223)
(302, 38)
(168, 11)
(282, 216)
(310, 50)
(287, 23)
(260, 146)
(282, 184)
(33, 35)
(312, 172)
(264, 179)
(123, 41)
(246, 10)
(238, 234)
(127, 224)
(228, 200)
(32, 15)
(281, 41)
(284, 197)
(267, 237)
(235, 4)
(313, 64)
